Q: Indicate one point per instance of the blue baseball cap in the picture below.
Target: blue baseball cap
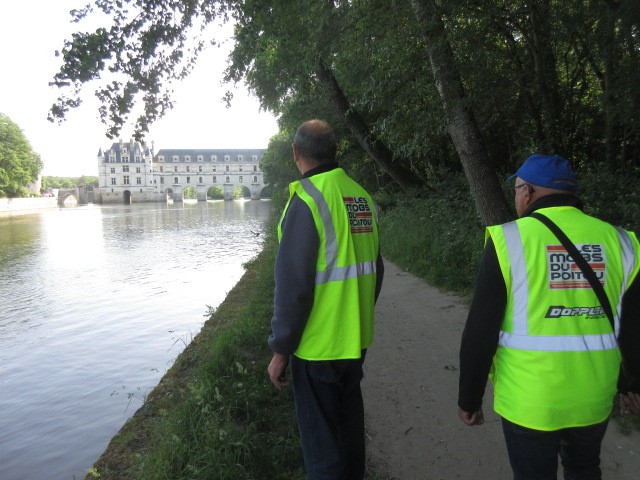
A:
(550, 171)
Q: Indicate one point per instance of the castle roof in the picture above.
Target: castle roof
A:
(207, 153)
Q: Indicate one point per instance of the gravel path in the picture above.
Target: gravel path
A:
(410, 394)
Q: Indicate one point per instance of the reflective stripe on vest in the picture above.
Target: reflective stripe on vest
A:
(520, 338)
(332, 273)
(628, 263)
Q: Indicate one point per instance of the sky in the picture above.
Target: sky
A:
(30, 33)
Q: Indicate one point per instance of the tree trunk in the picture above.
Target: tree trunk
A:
(462, 126)
(546, 76)
(360, 130)
(610, 100)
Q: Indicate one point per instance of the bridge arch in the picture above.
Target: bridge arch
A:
(69, 197)
(215, 193)
(266, 191)
(242, 191)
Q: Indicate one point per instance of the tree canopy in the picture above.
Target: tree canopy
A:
(19, 164)
(415, 87)
(69, 182)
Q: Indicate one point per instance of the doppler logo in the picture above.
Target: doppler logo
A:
(565, 273)
(557, 311)
(360, 218)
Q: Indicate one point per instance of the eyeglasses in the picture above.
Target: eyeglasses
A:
(515, 189)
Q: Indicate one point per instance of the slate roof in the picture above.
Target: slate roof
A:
(133, 148)
(247, 153)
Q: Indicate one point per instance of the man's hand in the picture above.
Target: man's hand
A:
(276, 370)
(471, 418)
(629, 403)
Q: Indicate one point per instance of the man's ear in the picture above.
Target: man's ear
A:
(529, 197)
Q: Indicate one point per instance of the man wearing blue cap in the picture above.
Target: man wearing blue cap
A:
(555, 311)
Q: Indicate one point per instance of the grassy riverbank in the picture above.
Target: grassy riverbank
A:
(215, 414)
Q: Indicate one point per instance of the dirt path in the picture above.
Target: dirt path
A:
(410, 394)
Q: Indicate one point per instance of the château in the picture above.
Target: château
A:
(129, 172)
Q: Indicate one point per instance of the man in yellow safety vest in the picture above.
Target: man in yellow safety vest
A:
(328, 273)
(551, 339)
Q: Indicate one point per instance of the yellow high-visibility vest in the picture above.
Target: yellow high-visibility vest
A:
(340, 323)
(557, 361)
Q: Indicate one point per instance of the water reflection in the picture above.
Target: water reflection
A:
(97, 303)
(17, 235)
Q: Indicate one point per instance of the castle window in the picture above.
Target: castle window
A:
(200, 180)
(136, 158)
(137, 169)
(187, 158)
(176, 158)
(188, 179)
(227, 168)
(175, 180)
(214, 158)
(161, 169)
(240, 179)
(138, 181)
(161, 158)
(240, 168)
(125, 168)
(255, 168)
(175, 169)
(227, 158)
(240, 158)
(214, 168)
(161, 179)
(254, 158)
(214, 179)
(125, 159)
(113, 169)
(227, 180)
(112, 158)
(125, 179)
(200, 158)
(188, 168)
(255, 179)
(199, 168)
(113, 180)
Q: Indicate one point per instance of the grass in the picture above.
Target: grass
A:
(435, 235)
(215, 415)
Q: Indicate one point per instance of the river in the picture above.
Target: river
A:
(96, 302)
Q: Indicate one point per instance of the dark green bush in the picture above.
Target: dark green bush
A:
(434, 234)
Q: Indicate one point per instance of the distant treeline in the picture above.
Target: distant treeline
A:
(69, 182)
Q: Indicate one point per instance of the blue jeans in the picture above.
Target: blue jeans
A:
(330, 416)
(533, 454)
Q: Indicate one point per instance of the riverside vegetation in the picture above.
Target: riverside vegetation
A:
(216, 415)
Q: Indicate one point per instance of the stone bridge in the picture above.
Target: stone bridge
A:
(73, 196)
(175, 192)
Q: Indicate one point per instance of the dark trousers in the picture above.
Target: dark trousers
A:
(330, 417)
(533, 454)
